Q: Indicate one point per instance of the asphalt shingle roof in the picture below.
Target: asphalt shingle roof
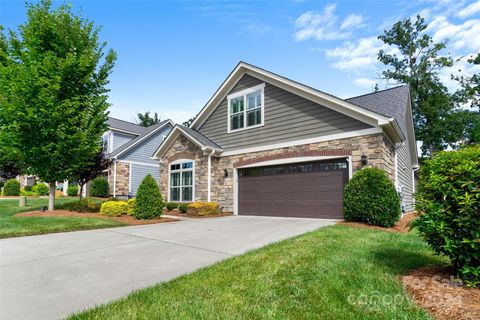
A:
(391, 103)
(146, 131)
(123, 125)
(200, 137)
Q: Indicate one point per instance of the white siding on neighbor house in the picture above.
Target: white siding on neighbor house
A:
(404, 174)
(120, 138)
(139, 172)
(144, 150)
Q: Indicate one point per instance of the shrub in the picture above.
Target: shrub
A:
(371, 197)
(183, 207)
(72, 191)
(449, 205)
(203, 208)
(28, 193)
(131, 207)
(41, 189)
(99, 188)
(149, 201)
(2, 184)
(114, 208)
(84, 205)
(171, 205)
(11, 188)
(27, 188)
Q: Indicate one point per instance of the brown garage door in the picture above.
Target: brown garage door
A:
(309, 190)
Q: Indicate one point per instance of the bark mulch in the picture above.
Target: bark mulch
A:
(402, 226)
(440, 292)
(64, 213)
(179, 214)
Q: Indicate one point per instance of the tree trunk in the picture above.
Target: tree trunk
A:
(430, 147)
(51, 197)
(81, 191)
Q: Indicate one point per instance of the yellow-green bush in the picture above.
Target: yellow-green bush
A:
(199, 208)
(114, 208)
(131, 207)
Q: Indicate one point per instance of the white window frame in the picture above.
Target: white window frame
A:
(180, 161)
(244, 93)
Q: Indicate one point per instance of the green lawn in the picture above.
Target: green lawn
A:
(11, 226)
(338, 272)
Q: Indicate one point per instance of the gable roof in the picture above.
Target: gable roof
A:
(352, 110)
(125, 126)
(148, 131)
(194, 136)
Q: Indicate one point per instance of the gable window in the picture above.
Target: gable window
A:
(181, 181)
(246, 108)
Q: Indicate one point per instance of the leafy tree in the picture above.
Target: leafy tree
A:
(92, 170)
(189, 122)
(145, 120)
(53, 77)
(417, 63)
(11, 163)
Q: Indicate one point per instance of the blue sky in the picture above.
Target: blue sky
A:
(173, 55)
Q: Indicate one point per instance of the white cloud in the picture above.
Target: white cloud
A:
(464, 35)
(469, 10)
(352, 21)
(325, 26)
(364, 82)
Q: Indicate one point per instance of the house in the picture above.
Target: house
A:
(267, 145)
(130, 147)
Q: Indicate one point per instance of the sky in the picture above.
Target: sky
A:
(173, 55)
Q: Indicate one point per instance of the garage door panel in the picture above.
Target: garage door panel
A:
(316, 194)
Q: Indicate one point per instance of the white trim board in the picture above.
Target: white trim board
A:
(290, 160)
(336, 136)
(140, 163)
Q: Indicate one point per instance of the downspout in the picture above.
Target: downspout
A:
(413, 182)
(209, 180)
(114, 178)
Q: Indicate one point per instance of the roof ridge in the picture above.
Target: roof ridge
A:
(125, 121)
(379, 91)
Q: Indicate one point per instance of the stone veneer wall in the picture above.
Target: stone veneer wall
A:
(376, 147)
(123, 176)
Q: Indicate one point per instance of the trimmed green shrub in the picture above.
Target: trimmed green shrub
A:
(27, 188)
(131, 207)
(171, 205)
(41, 189)
(114, 208)
(84, 205)
(11, 188)
(200, 208)
(29, 193)
(183, 207)
(72, 191)
(149, 201)
(449, 205)
(371, 197)
(99, 188)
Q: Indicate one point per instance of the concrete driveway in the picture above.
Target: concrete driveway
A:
(51, 276)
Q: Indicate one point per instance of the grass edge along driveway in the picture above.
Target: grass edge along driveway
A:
(338, 272)
(11, 226)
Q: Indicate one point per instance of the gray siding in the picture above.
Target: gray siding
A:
(145, 149)
(288, 117)
(404, 167)
(119, 139)
(139, 172)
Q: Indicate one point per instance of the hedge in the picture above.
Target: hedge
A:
(149, 202)
(171, 205)
(84, 205)
(370, 197)
(114, 208)
(449, 205)
(99, 188)
(183, 207)
(72, 191)
(203, 208)
(11, 188)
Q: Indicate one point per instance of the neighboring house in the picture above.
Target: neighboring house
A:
(130, 147)
(267, 145)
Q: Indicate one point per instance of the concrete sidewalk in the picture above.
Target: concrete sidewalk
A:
(51, 276)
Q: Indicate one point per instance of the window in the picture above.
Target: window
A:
(246, 108)
(181, 181)
(106, 142)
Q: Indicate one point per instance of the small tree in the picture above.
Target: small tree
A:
(53, 95)
(145, 120)
(149, 202)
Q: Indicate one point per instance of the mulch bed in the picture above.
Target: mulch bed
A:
(64, 213)
(179, 214)
(437, 290)
(402, 226)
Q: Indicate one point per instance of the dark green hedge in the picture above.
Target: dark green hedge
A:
(371, 197)
(449, 205)
(149, 202)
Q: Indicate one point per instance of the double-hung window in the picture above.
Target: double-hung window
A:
(181, 181)
(246, 108)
